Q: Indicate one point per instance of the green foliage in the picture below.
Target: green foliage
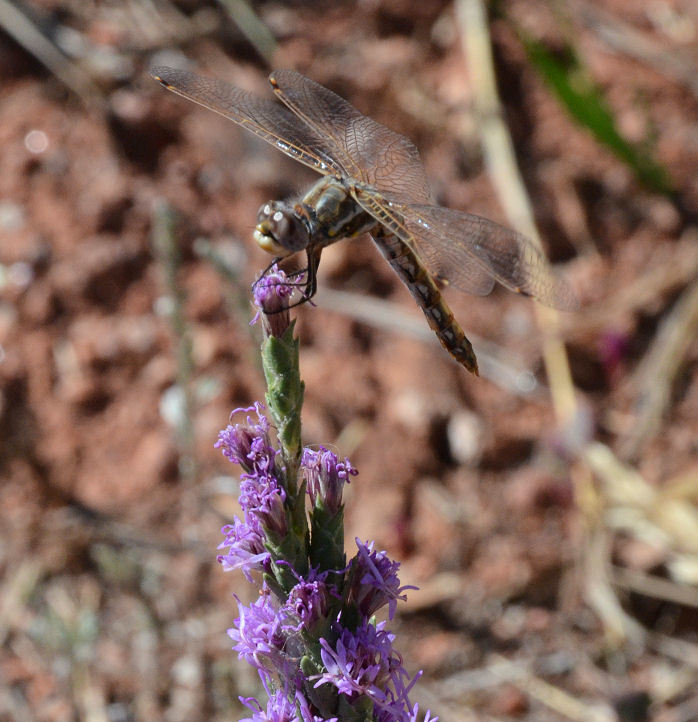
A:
(584, 101)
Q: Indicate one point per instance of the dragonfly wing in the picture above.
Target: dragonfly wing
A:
(458, 239)
(451, 244)
(367, 150)
(471, 276)
(265, 118)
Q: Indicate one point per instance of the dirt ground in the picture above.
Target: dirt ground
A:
(556, 549)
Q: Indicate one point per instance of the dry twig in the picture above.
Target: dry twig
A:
(655, 376)
(29, 36)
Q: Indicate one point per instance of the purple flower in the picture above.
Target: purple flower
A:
(261, 641)
(308, 602)
(262, 497)
(279, 709)
(326, 476)
(362, 662)
(248, 444)
(244, 541)
(373, 581)
(271, 293)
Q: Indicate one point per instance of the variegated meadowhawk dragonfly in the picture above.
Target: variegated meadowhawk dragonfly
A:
(374, 182)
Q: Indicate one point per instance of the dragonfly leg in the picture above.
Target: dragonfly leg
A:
(310, 285)
(265, 271)
(292, 274)
(311, 280)
(313, 255)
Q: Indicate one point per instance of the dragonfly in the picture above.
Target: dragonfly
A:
(374, 182)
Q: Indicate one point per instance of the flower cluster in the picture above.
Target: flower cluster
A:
(315, 646)
(326, 477)
(311, 634)
(261, 496)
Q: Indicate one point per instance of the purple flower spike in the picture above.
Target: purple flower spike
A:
(374, 581)
(294, 634)
(271, 293)
(326, 476)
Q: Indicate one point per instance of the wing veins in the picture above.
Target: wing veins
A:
(345, 159)
(175, 80)
(529, 273)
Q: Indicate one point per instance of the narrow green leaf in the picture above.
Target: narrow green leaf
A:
(584, 101)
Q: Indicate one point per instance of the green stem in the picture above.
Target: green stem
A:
(285, 397)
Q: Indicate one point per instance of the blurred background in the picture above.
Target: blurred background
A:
(546, 510)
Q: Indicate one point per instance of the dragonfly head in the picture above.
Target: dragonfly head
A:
(280, 230)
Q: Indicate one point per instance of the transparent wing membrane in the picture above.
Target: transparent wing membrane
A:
(468, 251)
(265, 118)
(453, 240)
(367, 150)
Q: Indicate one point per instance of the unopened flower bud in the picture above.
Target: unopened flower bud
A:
(271, 294)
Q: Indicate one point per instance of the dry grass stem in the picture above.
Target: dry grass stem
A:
(18, 26)
(655, 376)
(501, 163)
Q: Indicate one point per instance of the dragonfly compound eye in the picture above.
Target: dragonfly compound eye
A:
(280, 226)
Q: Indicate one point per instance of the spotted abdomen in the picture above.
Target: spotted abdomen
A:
(428, 297)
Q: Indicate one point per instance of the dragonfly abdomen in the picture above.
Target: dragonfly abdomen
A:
(428, 297)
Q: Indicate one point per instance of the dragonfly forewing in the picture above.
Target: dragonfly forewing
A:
(265, 118)
(368, 151)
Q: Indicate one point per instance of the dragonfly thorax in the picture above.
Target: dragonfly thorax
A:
(333, 213)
